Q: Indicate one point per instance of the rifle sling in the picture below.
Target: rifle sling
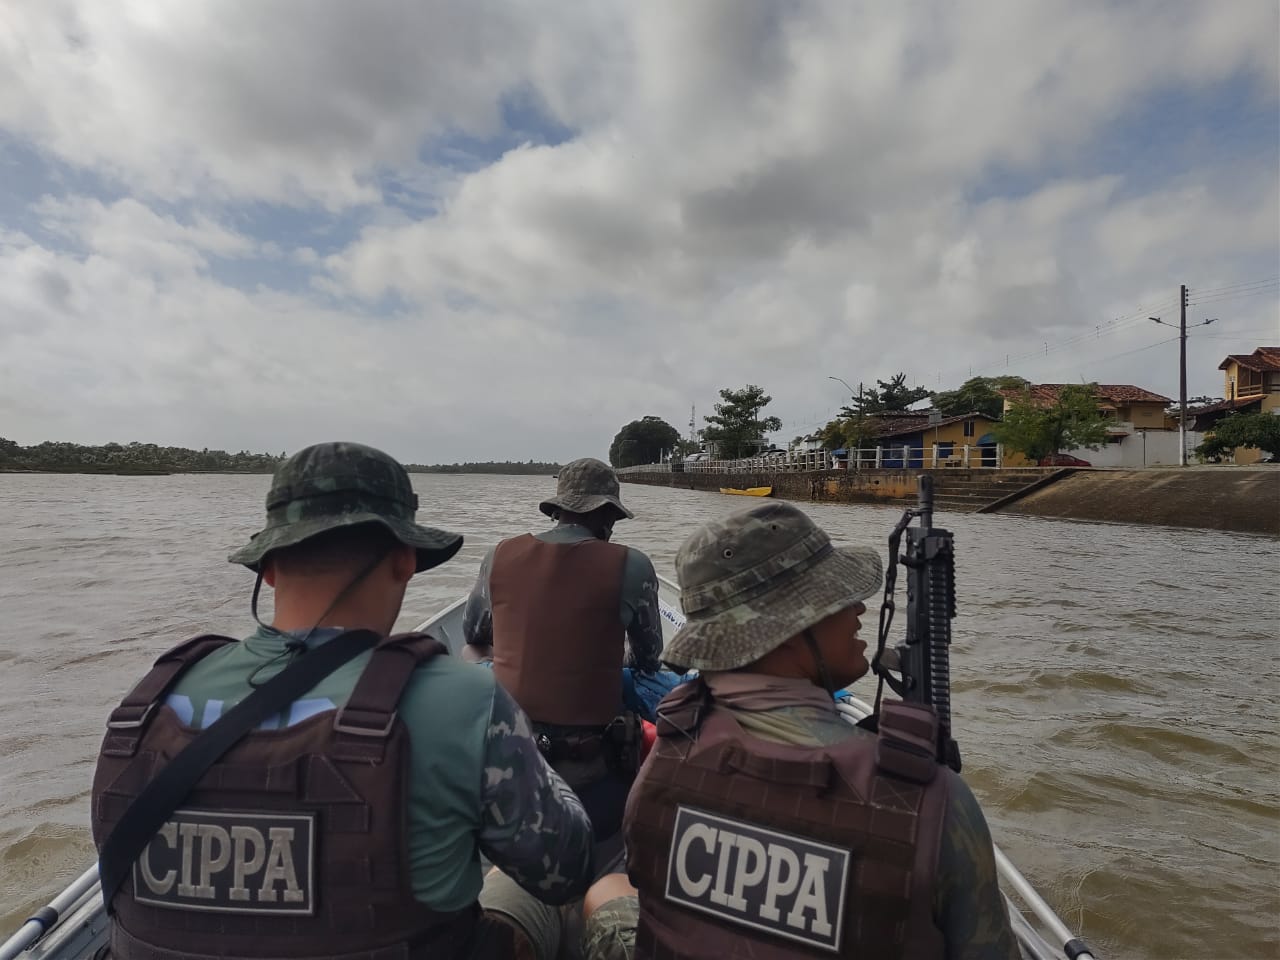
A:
(161, 797)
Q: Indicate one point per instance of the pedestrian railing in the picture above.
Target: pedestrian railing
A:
(898, 457)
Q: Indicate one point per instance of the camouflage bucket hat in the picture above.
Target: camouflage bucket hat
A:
(585, 485)
(754, 579)
(332, 485)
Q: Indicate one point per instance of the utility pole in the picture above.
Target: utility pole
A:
(1182, 370)
(1182, 379)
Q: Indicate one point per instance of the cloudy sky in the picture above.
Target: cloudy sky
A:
(489, 231)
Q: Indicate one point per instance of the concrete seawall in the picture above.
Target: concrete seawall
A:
(1244, 499)
(1219, 498)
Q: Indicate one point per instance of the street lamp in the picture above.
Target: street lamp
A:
(857, 454)
(847, 387)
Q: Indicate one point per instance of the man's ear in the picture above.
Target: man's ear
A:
(404, 563)
(269, 573)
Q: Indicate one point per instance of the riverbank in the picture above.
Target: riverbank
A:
(1243, 499)
(90, 470)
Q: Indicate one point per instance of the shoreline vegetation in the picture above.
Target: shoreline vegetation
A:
(151, 460)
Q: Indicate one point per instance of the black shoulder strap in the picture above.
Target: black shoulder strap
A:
(160, 798)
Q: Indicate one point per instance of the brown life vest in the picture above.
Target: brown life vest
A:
(293, 844)
(744, 848)
(557, 628)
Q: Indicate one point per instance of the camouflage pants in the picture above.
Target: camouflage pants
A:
(502, 898)
(610, 932)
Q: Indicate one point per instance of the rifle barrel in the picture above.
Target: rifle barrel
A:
(924, 500)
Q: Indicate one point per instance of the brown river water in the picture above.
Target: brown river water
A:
(1116, 687)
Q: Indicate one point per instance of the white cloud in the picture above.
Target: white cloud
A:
(748, 192)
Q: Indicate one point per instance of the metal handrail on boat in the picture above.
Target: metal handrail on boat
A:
(44, 919)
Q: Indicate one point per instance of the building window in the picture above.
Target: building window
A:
(970, 428)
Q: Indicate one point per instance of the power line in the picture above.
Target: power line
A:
(1099, 331)
(1126, 353)
(1239, 335)
(1234, 286)
(1219, 298)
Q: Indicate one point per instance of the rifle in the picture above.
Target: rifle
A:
(924, 658)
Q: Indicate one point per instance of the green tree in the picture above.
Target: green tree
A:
(833, 434)
(643, 441)
(852, 432)
(1037, 428)
(981, 394)
(736, 427)
(1259, 430)
(893, 394)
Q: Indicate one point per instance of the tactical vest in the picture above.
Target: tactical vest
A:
(744, 848)
(557, 628)
(293, 844)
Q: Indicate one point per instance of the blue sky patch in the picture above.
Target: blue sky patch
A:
(1172, 132)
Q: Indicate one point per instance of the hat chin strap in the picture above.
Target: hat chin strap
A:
(823, 674)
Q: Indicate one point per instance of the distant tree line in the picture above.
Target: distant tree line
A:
(534, 467)
(130, 458)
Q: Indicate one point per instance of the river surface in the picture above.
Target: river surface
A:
(1116, 687)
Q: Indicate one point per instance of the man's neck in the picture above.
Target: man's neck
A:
(577, 525)
(293, 617)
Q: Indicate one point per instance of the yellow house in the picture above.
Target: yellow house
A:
(1129, 411)
(1128, 407)
(1254, 374)
(908, 440)
(1251, 383)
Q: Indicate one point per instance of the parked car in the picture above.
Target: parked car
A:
(1063, 460)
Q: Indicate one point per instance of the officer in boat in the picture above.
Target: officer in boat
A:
(350, 820)
(762, 824)
(555, 611)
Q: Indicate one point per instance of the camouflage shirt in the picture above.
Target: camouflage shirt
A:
(478, 784)
(638, 610)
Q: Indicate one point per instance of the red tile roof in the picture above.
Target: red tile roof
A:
(914, 421)
(1113, 392)
(1262, 359)
(1224, 405)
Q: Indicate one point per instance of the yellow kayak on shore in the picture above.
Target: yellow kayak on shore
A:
(749, 491)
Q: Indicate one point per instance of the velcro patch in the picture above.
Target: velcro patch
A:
(755, 877)
(230, 863)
